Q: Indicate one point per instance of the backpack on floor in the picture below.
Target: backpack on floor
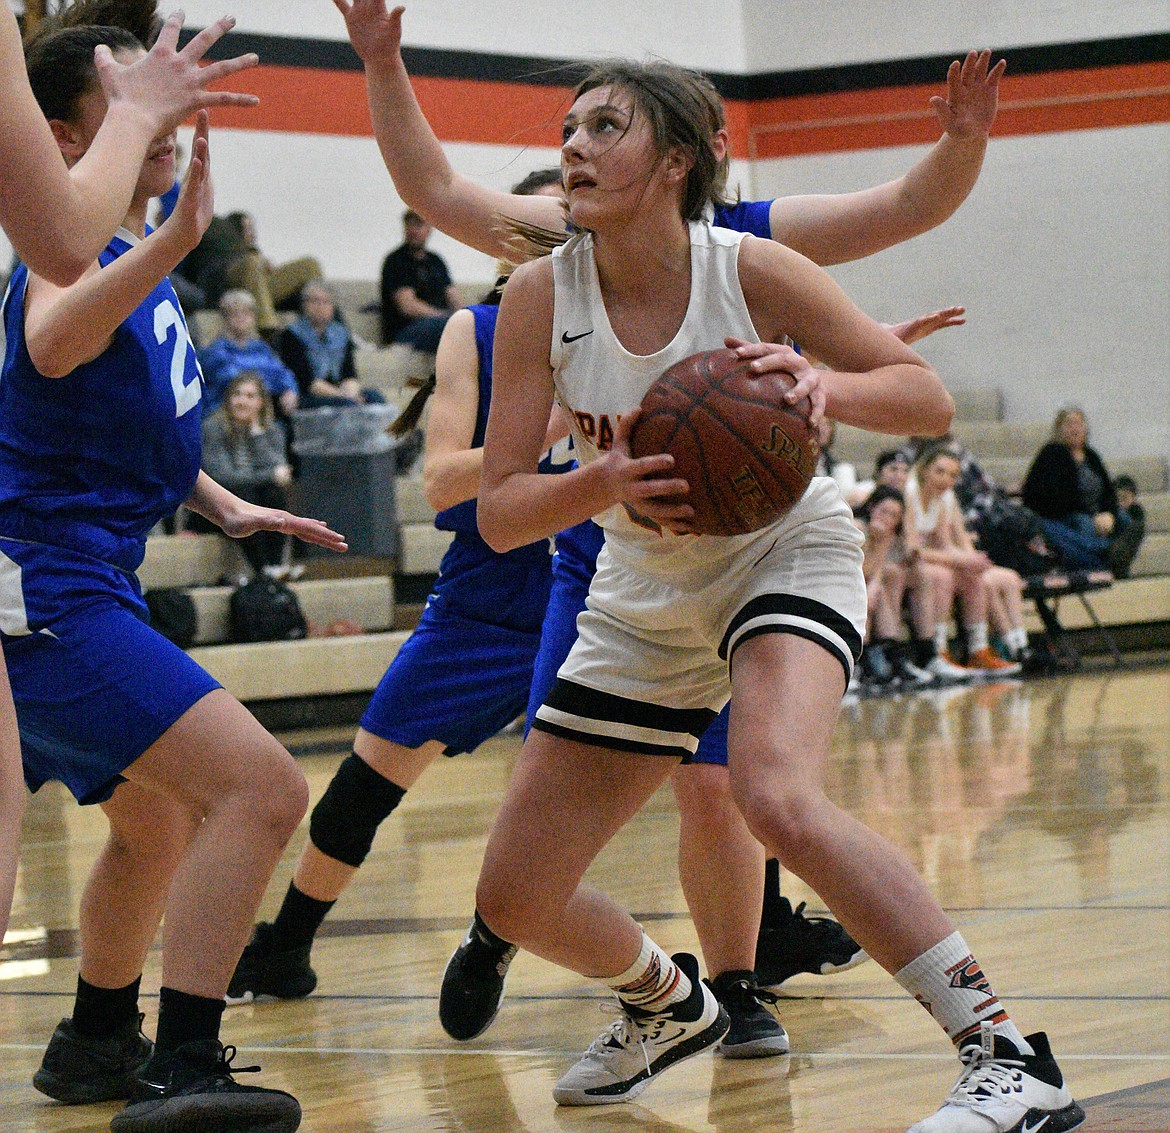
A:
(172, 613)
(266, 610)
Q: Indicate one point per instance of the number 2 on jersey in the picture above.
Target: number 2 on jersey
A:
(187, 393)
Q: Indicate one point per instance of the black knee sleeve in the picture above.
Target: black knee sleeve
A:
(346, 819)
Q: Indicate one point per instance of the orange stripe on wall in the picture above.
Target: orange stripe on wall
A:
(305, 100)
(1053, 102)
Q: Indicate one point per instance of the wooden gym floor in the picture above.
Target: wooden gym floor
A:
(1040, 813)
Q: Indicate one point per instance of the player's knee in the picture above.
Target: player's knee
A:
(280, 797)
(784, 816)
(511, 912)
(356, 802)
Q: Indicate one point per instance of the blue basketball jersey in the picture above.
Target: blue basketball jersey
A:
(745, 216)
(475, 581)
(92, 461)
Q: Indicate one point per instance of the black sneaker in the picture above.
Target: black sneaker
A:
(754, 1032)
(264, 971)
(791, 942)
(78, 1070)
(191, 1090)
(473, 982)
(1001, 1090)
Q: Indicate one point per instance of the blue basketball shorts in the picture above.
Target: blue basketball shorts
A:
(455, 679)
(94, 685)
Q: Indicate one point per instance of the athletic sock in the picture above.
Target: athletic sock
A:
(923, 651)
(773, 902)
(949, 983)
(652, 982)
(1016, 640)
(184, 1018)
(976, 636)
(940, 639)
(298, 920)
(99, 1012)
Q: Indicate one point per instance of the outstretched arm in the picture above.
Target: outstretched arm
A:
(833, 229)
(58, 219)
(65, 327)
(419, 168)
(238, 518)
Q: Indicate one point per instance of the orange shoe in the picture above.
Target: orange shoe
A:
(987, 661)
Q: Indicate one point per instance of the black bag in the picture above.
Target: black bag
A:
(266, 610)
(172, 613)
(1011, 536)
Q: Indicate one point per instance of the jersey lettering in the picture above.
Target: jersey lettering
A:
(599, 430)
(187, 393)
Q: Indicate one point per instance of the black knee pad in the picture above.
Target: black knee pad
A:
(355, 804)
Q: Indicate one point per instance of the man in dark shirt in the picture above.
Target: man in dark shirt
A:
(417, 294)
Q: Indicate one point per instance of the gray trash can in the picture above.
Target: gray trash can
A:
(347, 467)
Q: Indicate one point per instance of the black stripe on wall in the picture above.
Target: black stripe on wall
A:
(338, 55)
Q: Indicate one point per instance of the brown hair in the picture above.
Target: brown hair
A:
(684, 109)
(246, 377)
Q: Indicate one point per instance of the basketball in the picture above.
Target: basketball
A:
(747, 455)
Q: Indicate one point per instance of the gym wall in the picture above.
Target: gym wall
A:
(1061, 255)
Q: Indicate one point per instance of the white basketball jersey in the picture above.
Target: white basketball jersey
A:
(597, 379)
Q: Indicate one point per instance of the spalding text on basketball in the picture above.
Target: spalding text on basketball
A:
(783, 446)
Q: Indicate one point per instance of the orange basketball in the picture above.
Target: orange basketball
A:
(746, 454)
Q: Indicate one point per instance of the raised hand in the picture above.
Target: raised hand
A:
(912, 330)
(972, 96)
(376, 34)
(195, 206)
(169, 85)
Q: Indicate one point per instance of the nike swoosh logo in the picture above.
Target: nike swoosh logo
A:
(566, 338)
(1026, 1128)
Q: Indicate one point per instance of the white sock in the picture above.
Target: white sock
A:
(949, 983)
(940, 639)
(1016, 639)
(652, 982)
(976, 636)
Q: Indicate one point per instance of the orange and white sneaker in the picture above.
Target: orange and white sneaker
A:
(988, 663)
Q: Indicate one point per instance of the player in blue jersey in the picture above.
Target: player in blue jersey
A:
(461, 676)
(85, 203)
(99, 440)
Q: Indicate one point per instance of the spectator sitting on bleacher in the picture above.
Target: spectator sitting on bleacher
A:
(275, 287)
(1070, 489)
(884, 663)
(890, 468)
(418, 296)
(947, 564)
(240, 349)
(1124, 548)
(318, 349)
(245, 450)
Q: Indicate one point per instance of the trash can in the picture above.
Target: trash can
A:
(347, 467)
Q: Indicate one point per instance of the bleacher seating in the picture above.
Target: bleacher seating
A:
(325, 666)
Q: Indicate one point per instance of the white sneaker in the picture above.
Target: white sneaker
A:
(945, 670)
(619, 1064)
(1003, 1091)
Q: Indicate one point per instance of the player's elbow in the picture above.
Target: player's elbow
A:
(50, 361)
(940, 411)
(496, 532)
(62, 267)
